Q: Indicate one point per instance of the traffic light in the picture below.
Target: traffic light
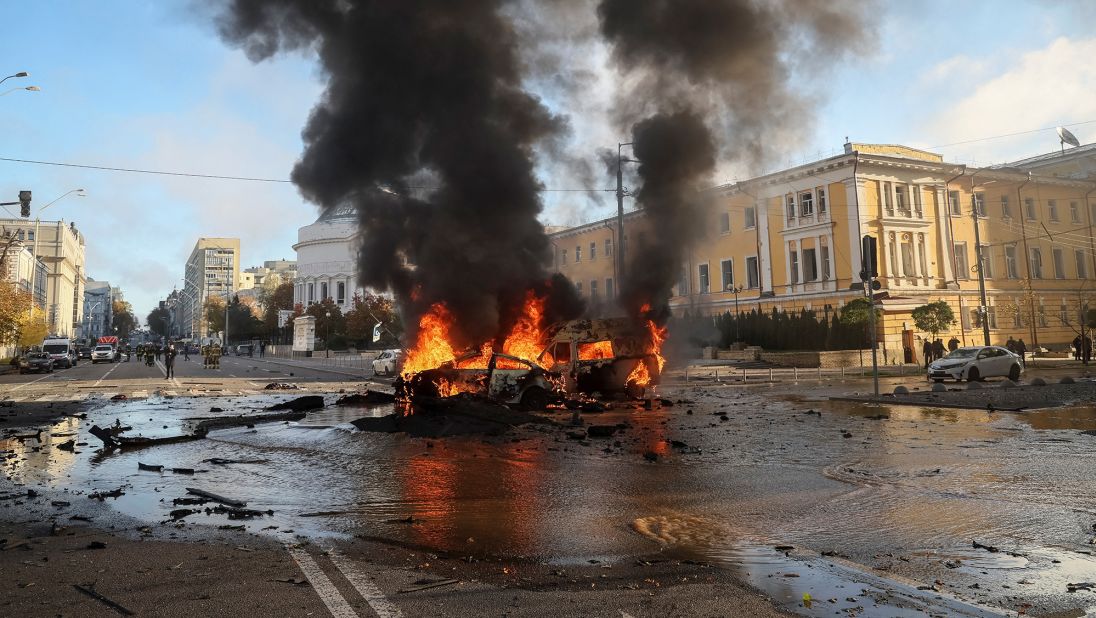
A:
(869, 258)
(24, 204)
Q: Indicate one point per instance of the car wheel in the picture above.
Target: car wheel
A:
(1014, 373)
(973, 375)
(534, 398)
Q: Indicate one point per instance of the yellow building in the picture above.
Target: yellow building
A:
(791, 240)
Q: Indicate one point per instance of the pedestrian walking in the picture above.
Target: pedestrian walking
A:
(953, 344)
(186, 351)
(938, 348)
(169, 362)
(262, 349)
(1077, 348)
(926, 351)
(1021, 349)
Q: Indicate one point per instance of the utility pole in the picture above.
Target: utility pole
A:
(983, 308)
(620, 216)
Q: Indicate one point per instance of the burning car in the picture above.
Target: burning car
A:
(605, 356)
(504, 378)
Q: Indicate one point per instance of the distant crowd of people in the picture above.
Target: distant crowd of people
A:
(934, 350)
(1082, 348)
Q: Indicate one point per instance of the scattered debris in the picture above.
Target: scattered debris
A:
(97, 545)
(461, 414)
(1087, 586)
(102, 495)
(189, 501)
(178, 514)
(281, 386)
(150, 467)
(182, 470)
(217, 461)
(205, 425)
(216, 498)
(428, 585)
(300, 404)
(368, 398)
(69, 446)
(293, 580)
(237, 513)
(90, 591)
(991, 549)
(601, 431)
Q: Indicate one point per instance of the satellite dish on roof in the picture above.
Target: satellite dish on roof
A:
(1067, 138)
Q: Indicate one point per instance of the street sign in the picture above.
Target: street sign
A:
(377, 332)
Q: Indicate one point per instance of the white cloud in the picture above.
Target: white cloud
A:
(1044, 88)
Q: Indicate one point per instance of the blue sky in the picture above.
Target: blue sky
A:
(150, 85)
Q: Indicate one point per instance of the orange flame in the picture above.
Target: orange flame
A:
(432, 348)
(641, 375)
(595, 350)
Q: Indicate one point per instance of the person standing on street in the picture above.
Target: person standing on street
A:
(926, 351)
(938, 348)
(262, 348)
(186, 351)
(1021, 349)
(953, 344)
(169, 362)
(1086, 353)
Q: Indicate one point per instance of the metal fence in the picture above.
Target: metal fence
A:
(735, 375)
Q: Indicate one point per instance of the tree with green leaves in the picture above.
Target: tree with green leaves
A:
(366, 313)
(159, 321)
(935, 318)
(281, 298)
(857, 313)
(123, 321)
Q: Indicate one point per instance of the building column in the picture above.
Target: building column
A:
(916, 246)
(943, 234)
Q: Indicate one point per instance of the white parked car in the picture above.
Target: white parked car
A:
(977, 363)
(387, 362)
(103, 353)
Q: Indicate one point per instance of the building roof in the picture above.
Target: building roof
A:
(344, 212)
(1052, 157)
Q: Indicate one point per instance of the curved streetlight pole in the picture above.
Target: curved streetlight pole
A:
(27, 88)
(19, 74)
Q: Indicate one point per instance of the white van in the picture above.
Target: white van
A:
(62, 350)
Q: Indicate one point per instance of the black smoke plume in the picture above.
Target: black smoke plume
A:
(421, 91)
(711, 77)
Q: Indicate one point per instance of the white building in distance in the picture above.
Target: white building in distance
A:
(327, 260)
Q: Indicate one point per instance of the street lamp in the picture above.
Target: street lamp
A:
(620, 193)
(736, 289)
(28, 88)
(19, 74)
(327, 336)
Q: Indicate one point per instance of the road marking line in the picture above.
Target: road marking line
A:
(369, 591)
(26, 384)
(327, 591)
(113, 367)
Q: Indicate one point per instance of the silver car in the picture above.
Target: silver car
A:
(387, 362)
(977, 363)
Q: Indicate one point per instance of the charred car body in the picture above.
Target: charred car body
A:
(590, 356)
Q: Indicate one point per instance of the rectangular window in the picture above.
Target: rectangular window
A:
(563, 256)
(964, 317)
(806, 204)
(821, 201)
(1082, 271)
(705, 284)
(1017, 315)
(751, 218)
(907, 259)
(593, 251)
(810, 265)
(323, 292)
(1052, 210)
(1029, 208)
(1059, 263)
(608, 247)
(578, 254)
(962, 268)
(753, 276)
(1063, 312)
(1036, 263)
(980, 204)
(900, 201)
(791, 207)
(593, 290)
(724, 223)
(793, 260)
(1006, 208)
(1074, 212)
(987, 262)
(683, 283)
(340, 292)
(991, 315)
(726, 267)
(609, 289)
(1011, 270)
(825, 262)
(953, 203)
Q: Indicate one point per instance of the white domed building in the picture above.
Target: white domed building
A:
(327, 259)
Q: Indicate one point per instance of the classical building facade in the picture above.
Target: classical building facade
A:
(791, 240)
(60, 247)
(98, 310)
(212, 270)
(327, 259)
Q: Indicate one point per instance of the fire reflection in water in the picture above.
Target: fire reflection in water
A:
(468, 492)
